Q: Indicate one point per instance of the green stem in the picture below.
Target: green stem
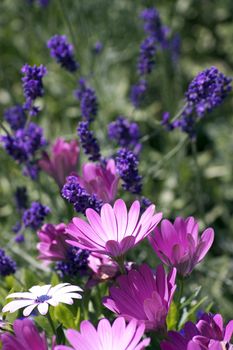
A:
(51, 323)
(3, 128)
(68, 23)
(197, 169)
(18, 280)
(180, 291)
(121, 263)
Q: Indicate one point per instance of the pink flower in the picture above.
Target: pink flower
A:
(114, 231)
(143, 296)
(178, 245)
(208, 333)
(103, 181)
(119, 336)
(52, 245)
(63, 160)
(26, 337)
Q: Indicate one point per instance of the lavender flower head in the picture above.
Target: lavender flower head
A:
(153, 25)
(146, 60)
(7, 265)
(32, 86)
(124, 132)
(138, 92)
(127, 168)
(88, 141)
(35, 215)
(97, 48)
(15, 117)
(88, 101)
(79, 197)
(23, 145)
(75, 263)
(63, 52)
(207, 91)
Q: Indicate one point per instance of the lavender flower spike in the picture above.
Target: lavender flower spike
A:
(88, 141)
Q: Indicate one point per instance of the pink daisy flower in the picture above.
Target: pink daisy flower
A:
(115, 230)
(143, 296)
(119, 336)
(178, 244)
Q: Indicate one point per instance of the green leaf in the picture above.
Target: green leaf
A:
(63, 314)
(172, 317)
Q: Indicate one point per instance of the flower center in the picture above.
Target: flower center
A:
(42, 298)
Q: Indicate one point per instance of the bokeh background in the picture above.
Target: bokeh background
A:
(171, 177)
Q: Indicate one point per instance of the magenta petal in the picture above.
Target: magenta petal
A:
(228, 331)
(113, 248)
(207, 238)
(127, 243)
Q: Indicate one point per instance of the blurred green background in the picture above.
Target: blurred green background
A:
(171, 177)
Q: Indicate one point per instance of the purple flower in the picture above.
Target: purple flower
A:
(25, 337)
(35, 215)
(124, 132)
(63, 52)
(146, 60)
(208, 333)
(62, 161)
(207, 91)
(7, 264)
(23, 145)
(178, 245)
(97, 48)
(106, 337)
(33, 85)
(88, 101)
(15, 117)
(74, 264)
(138, 92)
(127, 168)
(115, 230)
(31, 169)
(153, 25)
(75, 194)
(88, 141)
(146, 299)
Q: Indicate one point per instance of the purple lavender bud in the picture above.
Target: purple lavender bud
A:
(75, 263)
(97, 48)
(138, 92)
(146, 60)
(7, 264)
(15, 117)
(127, 168)
(87, 99)
(144, 204)
(63, 52)
(32, 85)
(31, 169)
(79, 197)
(35, 215)
(88, 142)
(23, 145)
(153, 25)
(124, 132)
(19, 238)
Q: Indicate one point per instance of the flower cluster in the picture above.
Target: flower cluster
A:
(33, 86)
(7, 265)
(15, 117)
(88, 101)
(125, 133)
(62, 51)
(127, 168)
(34, 216)
(88, 141)
(138, 92)
(75, 194)
(146, 61)
(74, 264)
(205, 92)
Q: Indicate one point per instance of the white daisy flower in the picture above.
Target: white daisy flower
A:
(41, 297)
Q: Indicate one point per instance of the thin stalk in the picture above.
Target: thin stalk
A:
(18, 280)
(68, 23)
(121, 263)
(51, 323)
(4, 128)
(197, 169)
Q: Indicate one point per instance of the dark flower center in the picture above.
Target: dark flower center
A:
(42, 298)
